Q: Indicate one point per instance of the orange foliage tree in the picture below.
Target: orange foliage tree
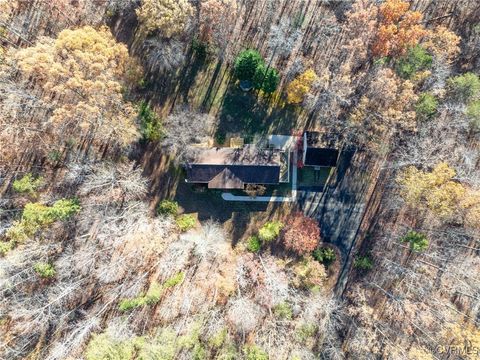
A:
(398, 29)
(301, 234)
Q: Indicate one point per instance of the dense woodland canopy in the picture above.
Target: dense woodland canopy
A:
(105, 253)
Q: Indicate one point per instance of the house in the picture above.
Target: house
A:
(318, 151)
(240, 165)
(234, 168)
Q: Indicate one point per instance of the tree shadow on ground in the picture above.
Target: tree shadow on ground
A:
(212, 90)
(164, 175)
(167, 89)
(186, 77)
(246, 114)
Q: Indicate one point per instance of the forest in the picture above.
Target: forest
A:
(108, 248)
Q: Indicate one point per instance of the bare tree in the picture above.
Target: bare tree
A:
(163, 56)
(184, 130)
(244, 315)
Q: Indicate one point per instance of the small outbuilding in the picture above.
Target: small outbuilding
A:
(316, 151)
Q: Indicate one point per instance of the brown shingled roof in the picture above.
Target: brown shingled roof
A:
(248, 174)
(226, 179)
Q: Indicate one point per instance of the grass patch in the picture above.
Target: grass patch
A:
(308, 176)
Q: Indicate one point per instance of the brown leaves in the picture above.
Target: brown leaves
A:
(301, 234)
(443, 43)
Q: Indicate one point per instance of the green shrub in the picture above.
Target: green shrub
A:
(44, 270)
(253, 352)
(163, 346)
(283, 311)
(153, 294)
(217, 340)
(382, 61)
(266, 79)
(363, 262)
(418, 242)
(200, 48)
(464, 87)
(185, 222)
(254, 244)
(167, 207)
(27, 184)
(150, 125)
(104, 347)
(417, 59)
(191, 342)
(129, 304)
(36, 215)
(306, 331)
(174, 280)
(473, 112)
(152, 297)
(64, 208)
(16, 233)
(270, 231)
(426, 106)
(324, 255)
(6, 246)
(54, 155)
(220, 137)
(228, 352)
(246, 64)
(271, 81)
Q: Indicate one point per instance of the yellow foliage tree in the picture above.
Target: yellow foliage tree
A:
(418, 353)
(461, 339)
(168, 16)
(471, 204)
(300, 86)
(434, 190)
(6, 7)
(81, 75)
